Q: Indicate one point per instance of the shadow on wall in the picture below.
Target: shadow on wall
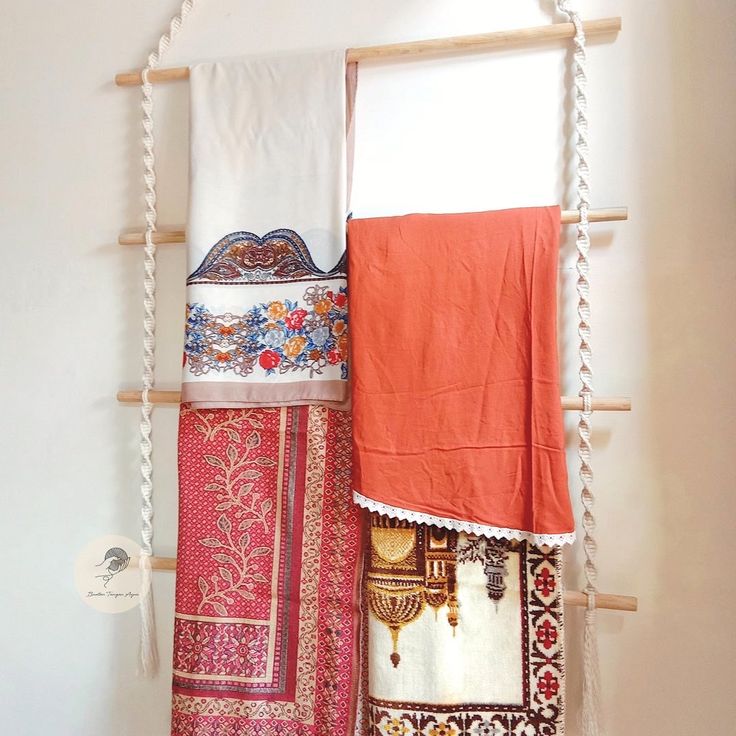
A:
(687, 161)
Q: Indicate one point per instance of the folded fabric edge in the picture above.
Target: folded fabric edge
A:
(244, 395)
(336, 405)
(551, 540)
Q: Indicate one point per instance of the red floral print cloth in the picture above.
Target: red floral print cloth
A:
(266, 619)
(457, 420)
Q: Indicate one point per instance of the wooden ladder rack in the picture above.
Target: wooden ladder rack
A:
(569, 403)
(406, 51)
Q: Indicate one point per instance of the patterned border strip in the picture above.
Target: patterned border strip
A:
(246, 258)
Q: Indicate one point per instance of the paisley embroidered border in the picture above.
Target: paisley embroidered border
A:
(246, 258)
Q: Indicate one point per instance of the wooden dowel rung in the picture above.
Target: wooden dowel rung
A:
(413, 49)
(483, 41)
(569, 217)
(569, 403)
(610, 601)
(159, 237)
(571, 597)
(605, 214)
(167, 564)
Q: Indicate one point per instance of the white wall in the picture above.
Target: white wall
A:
(475, 132)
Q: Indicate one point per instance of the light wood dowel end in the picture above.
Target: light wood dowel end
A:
(167, 564)
(603, 600)
(160, 237)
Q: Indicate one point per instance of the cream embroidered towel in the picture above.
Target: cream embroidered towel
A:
(266, 296)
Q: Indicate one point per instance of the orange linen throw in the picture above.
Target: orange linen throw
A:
(457, 418)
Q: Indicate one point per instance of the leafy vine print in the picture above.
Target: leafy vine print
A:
(243, 508)
(227, 582)
(229, 422)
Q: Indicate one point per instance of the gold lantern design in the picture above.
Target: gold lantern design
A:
(410, 566)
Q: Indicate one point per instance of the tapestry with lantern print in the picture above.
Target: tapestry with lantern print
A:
(465, 634)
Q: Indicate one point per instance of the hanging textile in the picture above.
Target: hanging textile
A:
(266, 298)
(465, 634)
(267, 568)
(269, 539)
(455, 376)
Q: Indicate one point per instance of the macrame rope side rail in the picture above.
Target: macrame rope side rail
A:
(591, 669)
(148, 649)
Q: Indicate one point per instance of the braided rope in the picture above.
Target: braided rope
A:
(591, 677)
(148, 648)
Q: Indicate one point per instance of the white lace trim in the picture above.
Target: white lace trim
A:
(497, 532)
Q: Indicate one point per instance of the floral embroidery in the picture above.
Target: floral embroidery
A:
(277, 336)
(547, 634)
(443, 729)
(548, 685)
(244, 512)
(396, 728)
(249, 648)
(276, 310)
(279, 664)
(545, 582)
(202, 647)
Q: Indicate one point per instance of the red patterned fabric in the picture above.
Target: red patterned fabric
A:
(266, 618)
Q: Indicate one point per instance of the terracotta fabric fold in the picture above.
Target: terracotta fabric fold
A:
(455, 377)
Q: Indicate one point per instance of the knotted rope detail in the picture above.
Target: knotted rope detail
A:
(148, 648)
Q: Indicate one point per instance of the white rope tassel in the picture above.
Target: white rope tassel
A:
(148, 648)
(591, 669)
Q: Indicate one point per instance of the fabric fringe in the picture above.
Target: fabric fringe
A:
(591, 674)
(148, 656)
